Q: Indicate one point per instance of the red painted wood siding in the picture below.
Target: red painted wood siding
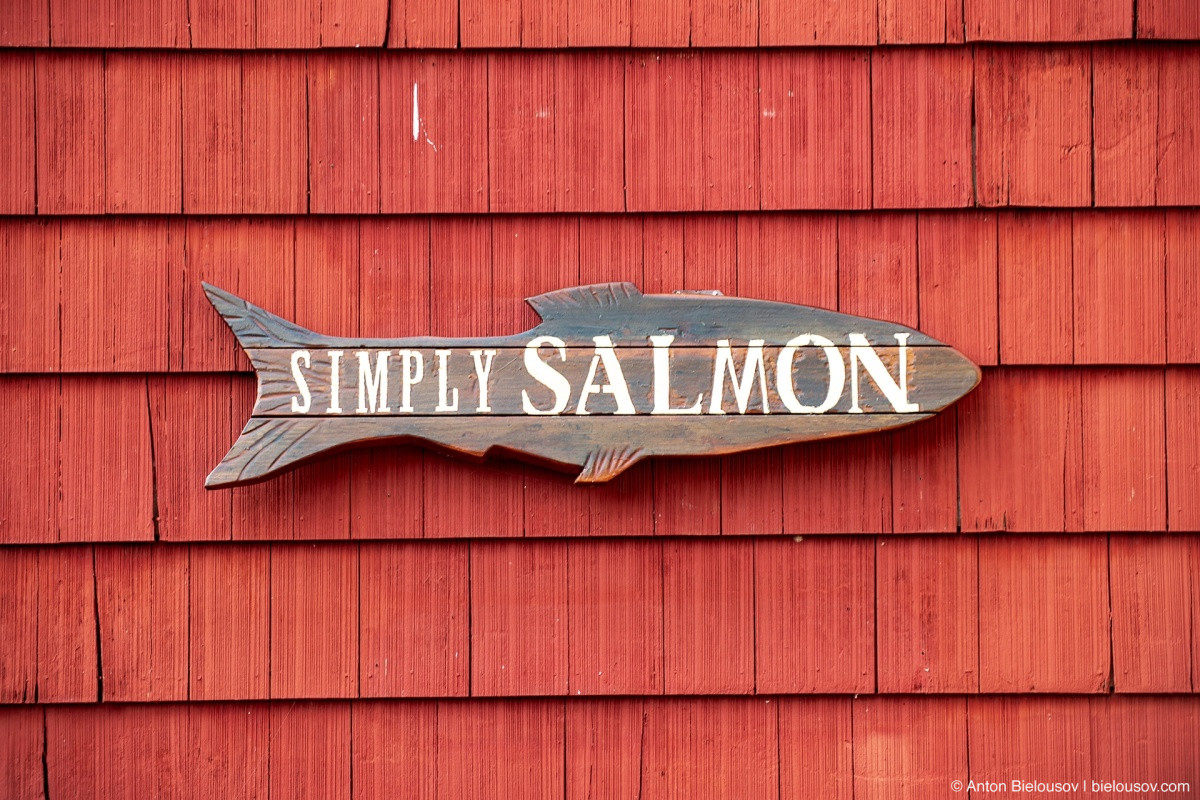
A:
(1008, 590)
(603, 23)
(712, 130)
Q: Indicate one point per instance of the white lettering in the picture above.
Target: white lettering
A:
(546, 375)
(783, 374)
(443, 357)
(861, 352)
(372, 387)
(335, 382)
(414, 371)
(302, 405)
(662, 379)
(483, 369)
(741, 386)
(616, 385)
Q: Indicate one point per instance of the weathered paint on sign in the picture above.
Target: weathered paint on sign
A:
(610, 376)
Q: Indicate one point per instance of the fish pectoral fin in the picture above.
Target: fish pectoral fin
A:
(607, 463)
(596, 296)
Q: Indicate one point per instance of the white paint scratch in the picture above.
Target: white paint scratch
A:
(418, 125)
(416, 116)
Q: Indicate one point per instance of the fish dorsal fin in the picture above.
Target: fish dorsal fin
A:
(596, 296)
(608, 462)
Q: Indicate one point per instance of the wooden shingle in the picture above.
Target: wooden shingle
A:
(18, 142)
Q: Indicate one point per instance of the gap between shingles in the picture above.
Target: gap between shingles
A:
(567, 582)
(999, 338)
(875, 605)
(470, 624)
(758, 114)
(974, 129)
(37, 625)
(487, 82)
(387, 26)
(59, 311)
(358, 623)
(917, 262)
(642, 749)
(754, 615)
(978, 616)
(565, 745)
(104, 131)
(1074, 345)
(967, 733)
(1092, 120)
(779, 749)
(378, 163)
(350, 723)
(96, 617)
(45, 758)
(662, 599)
(307, 148)
(188, 688)
(853, 742)
(1158, 153)
(1112, 660)
(870, 58)
(182, 157)
(154, 515)
(33, 69)
(270, 630)
(625, 62)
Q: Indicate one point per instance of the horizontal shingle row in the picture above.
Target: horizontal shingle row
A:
(593, 23)
(1036, 288)
(1107, 449)
(837, 748)
(361, 132)
(817, 615)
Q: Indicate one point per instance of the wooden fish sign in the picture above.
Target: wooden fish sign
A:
(610, 377)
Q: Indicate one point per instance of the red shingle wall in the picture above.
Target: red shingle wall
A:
(1006, 591)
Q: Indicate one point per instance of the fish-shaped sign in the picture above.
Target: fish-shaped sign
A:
(611, 376)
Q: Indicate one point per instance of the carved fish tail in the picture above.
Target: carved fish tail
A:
(254, 326)
(265, 447)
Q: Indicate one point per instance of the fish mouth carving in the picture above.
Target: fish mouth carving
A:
(608, 378)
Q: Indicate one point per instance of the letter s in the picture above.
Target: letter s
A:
(301, 406)
(546, 375)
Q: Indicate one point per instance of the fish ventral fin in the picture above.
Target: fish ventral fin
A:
(607, 463)
(596, 296)
(254, 326)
